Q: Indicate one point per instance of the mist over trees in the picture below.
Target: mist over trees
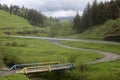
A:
(97, 14)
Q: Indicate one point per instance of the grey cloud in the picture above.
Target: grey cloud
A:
(52, 6)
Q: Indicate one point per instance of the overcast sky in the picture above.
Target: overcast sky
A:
(56, 8)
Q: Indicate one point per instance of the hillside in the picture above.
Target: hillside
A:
(109, 28)
(12, 25)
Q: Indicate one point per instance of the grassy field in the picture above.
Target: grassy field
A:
(36, 50)
(14, 25)
(40, 51)
(101, 71)
(115, 48)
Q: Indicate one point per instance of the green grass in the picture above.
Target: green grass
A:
(101, 71)
(110, 27)
(14, 77)
(14, 25)
(104, 71)
(115, 48)
(36, 50)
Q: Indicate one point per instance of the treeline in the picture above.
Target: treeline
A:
(97, 14)
(35, 17)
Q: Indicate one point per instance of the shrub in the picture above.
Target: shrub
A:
(10, 57)
(14, 43)
(113, 38)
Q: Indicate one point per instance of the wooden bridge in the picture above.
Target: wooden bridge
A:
(41, 67)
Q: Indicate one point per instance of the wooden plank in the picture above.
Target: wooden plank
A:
(45, 68)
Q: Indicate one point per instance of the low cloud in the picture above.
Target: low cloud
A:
(60, 13)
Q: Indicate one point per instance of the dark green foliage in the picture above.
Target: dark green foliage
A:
(113, 38)
(115, 9)
(86, 18)
(118, 2)
(77, 23)
(1, 55)
(35, 17)
(8, 56)
(14, 43)
(4, 7)
(97, 14)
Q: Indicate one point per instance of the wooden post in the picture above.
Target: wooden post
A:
(49, 68)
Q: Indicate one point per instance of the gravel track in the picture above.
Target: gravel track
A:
(107, 56)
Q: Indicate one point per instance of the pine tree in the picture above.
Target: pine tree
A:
(11, 7)
(118, 2)
(115, 10)
(77, 23)
(87, 18)
(94, 12)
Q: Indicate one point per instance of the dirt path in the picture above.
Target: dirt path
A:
(3, 73)
(108, 56)
(67, 39)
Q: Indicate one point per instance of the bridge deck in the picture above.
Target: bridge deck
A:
(46, 68)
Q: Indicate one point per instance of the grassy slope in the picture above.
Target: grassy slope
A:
(11, 24)
(110, 27)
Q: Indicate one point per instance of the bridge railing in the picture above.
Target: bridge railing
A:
(14, 67)
(46, 68)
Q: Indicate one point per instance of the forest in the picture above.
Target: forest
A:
(97, 14)
(94, 14)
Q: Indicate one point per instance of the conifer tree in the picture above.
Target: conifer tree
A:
(77, 23)
(115, 9)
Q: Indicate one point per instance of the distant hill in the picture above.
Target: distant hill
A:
(12, 24)
(70, 18)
